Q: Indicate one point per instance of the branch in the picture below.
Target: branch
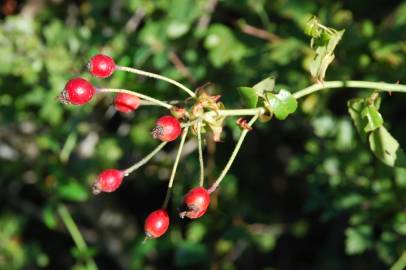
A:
(158, 77)
(200, 150)
(175, 167)
(143, 161)
(380, 86)
(400, 264)
(177, 62)
(233, 155)
(259, 33)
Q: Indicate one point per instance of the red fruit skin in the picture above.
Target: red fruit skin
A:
(77, 91)
(167, 129)
(108, 181)
(195, 203)
(156, 223)
(126, 103)
(101, 66)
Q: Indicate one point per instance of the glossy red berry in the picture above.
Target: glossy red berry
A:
(195, 203)
(167, 129)
(108, 181)
(101, 66)
(156, 223)
(77, 91)
(126, 103)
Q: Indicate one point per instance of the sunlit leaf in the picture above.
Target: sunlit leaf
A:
(386, 148)
(358, 239)
(374, 118)
(281, 104)
(266, 84)
(249, 95)
(49, 217)
(324, 40)
(73, 191)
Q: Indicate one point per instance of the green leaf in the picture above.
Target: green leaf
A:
(355, 109)
(358, 239)
(284, 53)
(324, 40)
(267, 84)
(312, 28)
(73, 191)
(399, 224)
(223, 46)
(249, 95)
(374, 118)
(49, 217)
(386, 148)
(281, 104)
(195, 232)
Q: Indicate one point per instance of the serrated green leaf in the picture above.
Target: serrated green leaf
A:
(249, 95)
(265, 85)
(281, 104)
(374, 118)
(386, 148)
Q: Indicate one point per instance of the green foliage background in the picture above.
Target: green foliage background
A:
(304, 193)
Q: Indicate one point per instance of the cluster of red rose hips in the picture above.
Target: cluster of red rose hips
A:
(79, 91)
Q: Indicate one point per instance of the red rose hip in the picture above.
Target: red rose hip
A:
(195, 203)
(156, 223)
(101, 66)
(126, 103)
(167, 129)
(108, 181)
(77, 91)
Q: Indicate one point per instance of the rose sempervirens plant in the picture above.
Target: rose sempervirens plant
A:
(207, 114)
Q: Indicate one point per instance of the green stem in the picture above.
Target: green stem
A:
(263, 16)
(75, 234)
(148, 103)
(380, 86)
(143, 161)
(238, 112)
(387, 87)
(400, 264)
(158, 77)
(142, 96)
(191, 123)
(200, 150)
(175, 167)
(233, 155)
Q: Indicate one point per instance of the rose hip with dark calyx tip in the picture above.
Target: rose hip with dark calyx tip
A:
(101, 66)
(167, 129)
(195, 203)
(108, 181)
(77, 91)
(156, 223)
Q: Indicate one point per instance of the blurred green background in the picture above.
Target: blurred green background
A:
(305, 193)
